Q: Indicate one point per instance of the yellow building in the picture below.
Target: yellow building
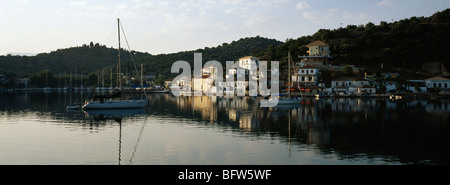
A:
(318, 48)
(318, 54)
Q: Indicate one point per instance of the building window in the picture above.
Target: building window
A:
(445, 85)
(311, 71)
(439, 85)
(303, 78)
(310, 79)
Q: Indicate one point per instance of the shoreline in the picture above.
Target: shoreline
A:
(394, 96)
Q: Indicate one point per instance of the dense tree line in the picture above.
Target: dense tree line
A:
(225, 52)
(82, 59)
(406, 43)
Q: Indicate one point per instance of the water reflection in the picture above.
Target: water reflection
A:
(358, 131)
(114, 114)
(411, 132)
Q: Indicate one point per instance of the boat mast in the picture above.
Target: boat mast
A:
(46, 77)
(118, 31)
(289, 70)
(142, 76)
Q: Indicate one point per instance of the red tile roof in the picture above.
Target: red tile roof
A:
(316, 43)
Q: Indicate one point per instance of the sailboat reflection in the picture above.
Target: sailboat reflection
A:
(115, 114)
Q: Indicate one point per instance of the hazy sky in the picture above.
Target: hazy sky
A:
(36, 26)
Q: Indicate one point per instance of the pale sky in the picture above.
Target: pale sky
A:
(37, 26)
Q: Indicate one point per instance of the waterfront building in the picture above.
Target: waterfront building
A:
(202, 84)
(151, 76)
(437, 82)
(246, 63)
(352, 85)
(22, 82)
(416, 86)
(306, 76)
(390, 85)
(168, 82)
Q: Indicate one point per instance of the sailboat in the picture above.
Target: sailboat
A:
(277, 100)
(289, 100)
(111, 103)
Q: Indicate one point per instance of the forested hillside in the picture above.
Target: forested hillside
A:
(84, 59)
(406, 43)
(222, 53)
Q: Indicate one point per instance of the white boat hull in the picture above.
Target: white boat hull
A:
(280, 102)
(115, 104)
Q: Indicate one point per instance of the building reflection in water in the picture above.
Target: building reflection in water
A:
(346, 126)
(414, 130)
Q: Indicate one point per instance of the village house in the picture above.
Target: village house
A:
(22, 82)
(250, 63)
(390, 85)
(168, 82)
(318, 54)
(245, 63)
(150, 76)
(202, 84)
(416, 86)
(437, 82)
(306, 76)
(228, 88)
(390, 75)
(2, 78)
(351, 85)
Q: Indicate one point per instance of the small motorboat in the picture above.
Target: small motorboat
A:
(73, 107)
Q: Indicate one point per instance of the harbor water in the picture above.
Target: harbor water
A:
(36, 128)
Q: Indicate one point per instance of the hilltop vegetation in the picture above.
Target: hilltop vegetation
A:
(406, 44)
(83, 59)
(222, 53)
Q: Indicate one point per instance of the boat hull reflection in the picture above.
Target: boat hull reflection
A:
(115, 114)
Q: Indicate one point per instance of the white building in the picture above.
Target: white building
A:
(416, 86)
(352, 85)
(202, 84)
(306, 75)
(247, 65)
(438, 82)
(250, 63)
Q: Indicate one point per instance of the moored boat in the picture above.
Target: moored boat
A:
(115, 101)
(115, 104)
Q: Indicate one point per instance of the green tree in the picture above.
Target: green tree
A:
(92, 79)
(160, 80)
(348, 70)
(43, 78)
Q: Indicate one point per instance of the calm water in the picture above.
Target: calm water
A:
(35, 128)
